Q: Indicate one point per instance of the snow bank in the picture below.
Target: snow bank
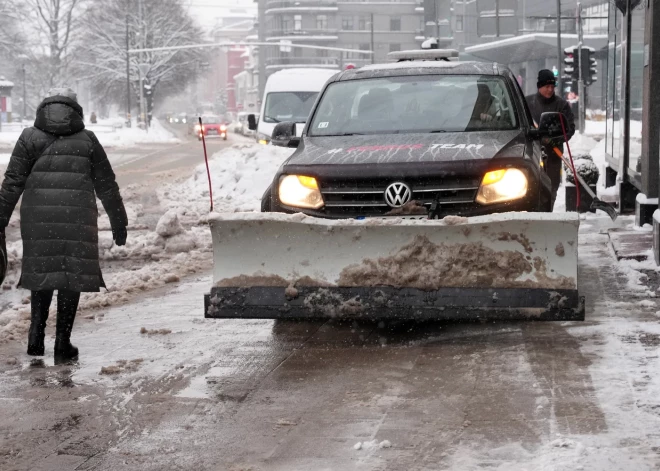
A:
(151, 266)
(240, 175)
(130, 137)
(111, 135)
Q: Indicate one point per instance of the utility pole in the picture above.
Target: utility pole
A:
(128, 78)
(373, 58)
(559, 50)
(581, 94)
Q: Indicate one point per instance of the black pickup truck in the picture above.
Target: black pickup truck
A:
(426, 134)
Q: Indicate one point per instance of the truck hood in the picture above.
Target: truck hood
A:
(409, 148)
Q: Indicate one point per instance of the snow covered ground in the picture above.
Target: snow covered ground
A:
(178, 246)
(239, 177)
(110, 132)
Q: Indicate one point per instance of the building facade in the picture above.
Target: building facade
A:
(379, 26)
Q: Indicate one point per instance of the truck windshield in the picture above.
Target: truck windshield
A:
(288, 106)
(419, 104)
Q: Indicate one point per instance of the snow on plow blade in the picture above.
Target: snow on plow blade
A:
(502, 266)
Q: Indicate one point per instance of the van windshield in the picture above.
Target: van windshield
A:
(288, 106)
(419, 104)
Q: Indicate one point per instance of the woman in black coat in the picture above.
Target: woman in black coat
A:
(60, 168)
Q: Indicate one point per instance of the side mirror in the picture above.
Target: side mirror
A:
(284, 135)
(550, 125)
(252, 122)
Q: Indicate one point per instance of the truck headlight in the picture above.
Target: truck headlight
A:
(263, 139)
(300, 191)
(499, 186)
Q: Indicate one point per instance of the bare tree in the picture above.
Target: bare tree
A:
(151, 24)
(49, 27)
(11, 41)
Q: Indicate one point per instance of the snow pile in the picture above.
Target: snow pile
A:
(121, 287)
(150, 259)
(110, 134)
(169, 225)
(240, 175)
(130, 137)
(425, 265)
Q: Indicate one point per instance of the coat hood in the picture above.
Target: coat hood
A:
(60, 116)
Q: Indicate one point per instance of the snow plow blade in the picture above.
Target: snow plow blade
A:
(501, 266)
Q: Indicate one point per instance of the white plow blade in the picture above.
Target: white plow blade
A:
(508, 250)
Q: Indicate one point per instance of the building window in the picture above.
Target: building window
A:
(459, 22)
(286, 25)
(322, 22)
(321, 53)
(395, 47)
(297, 23)
(363, 22)
(347, 23)
(395, 24)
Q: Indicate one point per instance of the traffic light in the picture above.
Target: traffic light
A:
(589, 65)
(570, 69)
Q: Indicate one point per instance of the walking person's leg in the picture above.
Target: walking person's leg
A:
(40, 304)
(67, 305)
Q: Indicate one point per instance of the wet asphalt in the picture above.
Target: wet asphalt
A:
(269, 395)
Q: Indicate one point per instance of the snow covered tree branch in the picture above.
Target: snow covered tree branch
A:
(151, 23)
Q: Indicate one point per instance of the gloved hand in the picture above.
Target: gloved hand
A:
(119, 236)
(552, 142)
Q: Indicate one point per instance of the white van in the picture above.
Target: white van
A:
(289, 96)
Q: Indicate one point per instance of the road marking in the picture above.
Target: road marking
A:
(127, 162)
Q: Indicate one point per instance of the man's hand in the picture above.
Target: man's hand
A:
(556, 142)
(119, 236)
(486, 117)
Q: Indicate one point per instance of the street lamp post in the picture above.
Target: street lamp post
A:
(24, 95)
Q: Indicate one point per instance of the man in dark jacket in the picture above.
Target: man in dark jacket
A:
(60, 168)
(544, 101)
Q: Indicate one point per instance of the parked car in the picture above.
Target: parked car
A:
(212, 126)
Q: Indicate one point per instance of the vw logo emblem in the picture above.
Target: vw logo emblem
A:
(397, 194)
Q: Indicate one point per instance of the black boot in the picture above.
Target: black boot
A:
(40, 303)
(67, 305)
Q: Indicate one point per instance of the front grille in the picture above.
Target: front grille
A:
(366, 197)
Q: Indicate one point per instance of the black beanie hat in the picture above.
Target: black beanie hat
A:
(546, 77)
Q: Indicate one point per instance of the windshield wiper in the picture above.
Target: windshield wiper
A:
(271, 119)
(438, 130)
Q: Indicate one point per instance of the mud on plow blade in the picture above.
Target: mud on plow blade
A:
(501, 266)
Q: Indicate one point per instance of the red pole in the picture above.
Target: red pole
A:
(206, 159)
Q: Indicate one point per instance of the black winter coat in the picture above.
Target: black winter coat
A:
(60, 168)
(538, 104)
